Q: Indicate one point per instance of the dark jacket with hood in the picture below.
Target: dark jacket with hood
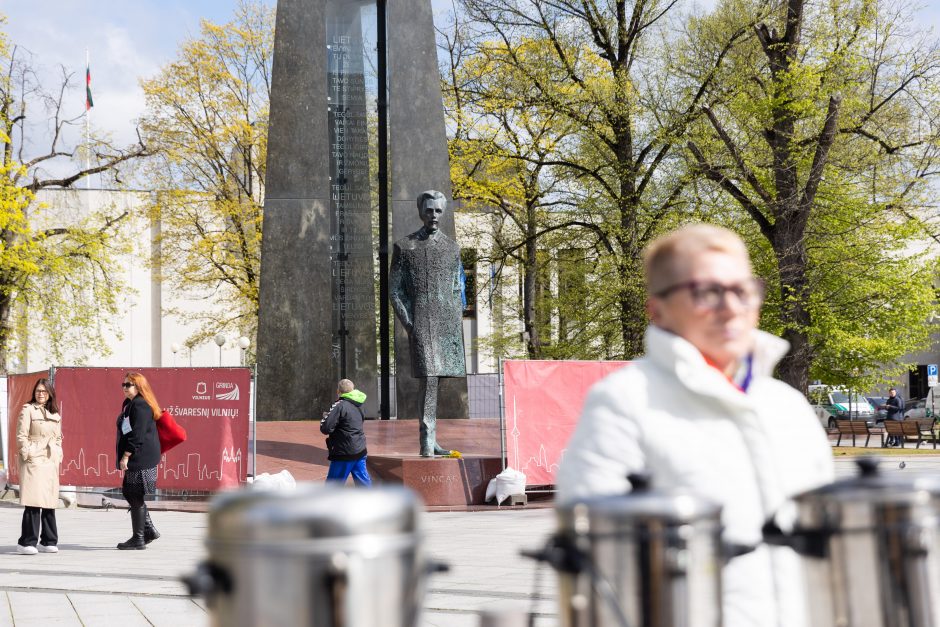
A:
(347, 441)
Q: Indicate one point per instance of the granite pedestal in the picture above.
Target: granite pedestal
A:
(439, 480)
(300, 447)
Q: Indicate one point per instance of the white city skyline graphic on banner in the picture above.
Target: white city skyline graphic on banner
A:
(193, 467)
(539, 461)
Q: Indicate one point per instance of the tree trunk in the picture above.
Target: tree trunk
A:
(792, 205)
(632, 308)
(6, 332)
(530, 288)
(631, 303)
(790, 251)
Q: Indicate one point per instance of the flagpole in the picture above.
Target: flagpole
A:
(87, 122)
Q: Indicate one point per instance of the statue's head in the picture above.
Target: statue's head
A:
(431, 207)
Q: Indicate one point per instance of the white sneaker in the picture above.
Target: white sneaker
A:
(50, 548)
(26, 550)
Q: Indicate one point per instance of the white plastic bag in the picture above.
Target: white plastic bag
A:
(68, 496)
(506, 483)
(281, 481)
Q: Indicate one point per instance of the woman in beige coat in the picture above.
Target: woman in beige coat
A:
(39, 441)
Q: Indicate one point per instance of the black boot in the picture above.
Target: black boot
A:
(136, 541)
(150, 532)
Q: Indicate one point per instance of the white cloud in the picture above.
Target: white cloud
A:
(126, 41)
(131, 40)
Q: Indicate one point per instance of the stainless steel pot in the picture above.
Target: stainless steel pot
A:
(320, 556)
(871, 547)
(648, 558)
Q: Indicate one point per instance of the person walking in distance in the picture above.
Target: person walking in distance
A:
(138, 454)
(39, 442)
(346, 441)
(894, 405)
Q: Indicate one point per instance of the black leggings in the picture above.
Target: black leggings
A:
(137, 484)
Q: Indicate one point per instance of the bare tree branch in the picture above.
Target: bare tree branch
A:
(715, 175)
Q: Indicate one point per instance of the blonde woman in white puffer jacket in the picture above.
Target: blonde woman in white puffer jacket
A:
(701, 411)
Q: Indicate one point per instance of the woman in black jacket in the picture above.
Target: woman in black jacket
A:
(138, 454)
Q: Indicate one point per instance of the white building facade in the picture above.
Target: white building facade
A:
(142, 335)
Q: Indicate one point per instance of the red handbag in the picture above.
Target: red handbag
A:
(169, 431)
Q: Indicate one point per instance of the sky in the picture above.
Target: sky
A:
(125, 41)
(129, 40)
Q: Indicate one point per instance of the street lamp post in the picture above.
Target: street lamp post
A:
(175, 348)
(220, 341)
(243, 343)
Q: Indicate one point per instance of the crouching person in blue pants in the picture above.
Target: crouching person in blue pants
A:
(346, 441)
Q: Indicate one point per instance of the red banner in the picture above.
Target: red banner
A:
(543, 403)
(212, 404)
(19, 392)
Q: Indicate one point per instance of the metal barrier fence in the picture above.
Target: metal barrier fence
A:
(482, 392)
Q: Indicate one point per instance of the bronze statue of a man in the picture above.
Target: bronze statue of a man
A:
(424, 287)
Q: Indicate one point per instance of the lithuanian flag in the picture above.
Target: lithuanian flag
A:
(89, 103)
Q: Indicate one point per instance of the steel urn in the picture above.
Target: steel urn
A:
(318, 556)
(871, 549)
(650, 557)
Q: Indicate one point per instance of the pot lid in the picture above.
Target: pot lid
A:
(643, 503)
(313, 511)
(874, 486)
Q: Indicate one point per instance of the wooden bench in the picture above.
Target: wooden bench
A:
(857, 428)
(919, 431)
(927, 433)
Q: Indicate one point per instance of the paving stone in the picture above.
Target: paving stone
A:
(6, 616)
(41, 608)
(90, 582)
(105, 610)
(171, 612)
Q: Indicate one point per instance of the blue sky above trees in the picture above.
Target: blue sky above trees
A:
(129, 40)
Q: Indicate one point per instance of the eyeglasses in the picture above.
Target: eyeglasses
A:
(709, 295)
(127, 385)
(38, 392)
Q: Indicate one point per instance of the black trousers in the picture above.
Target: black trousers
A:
(32, 518)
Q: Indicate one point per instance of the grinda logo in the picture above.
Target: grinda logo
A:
(222, 395)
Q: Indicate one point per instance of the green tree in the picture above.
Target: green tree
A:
(58, 268)
(499, 151)
(206, 121)
(822, 129)
(601, 71)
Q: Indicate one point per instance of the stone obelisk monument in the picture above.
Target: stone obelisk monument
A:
(318, 262)
(419, 161)
(294, 318)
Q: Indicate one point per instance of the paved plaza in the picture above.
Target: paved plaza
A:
(90, 583)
